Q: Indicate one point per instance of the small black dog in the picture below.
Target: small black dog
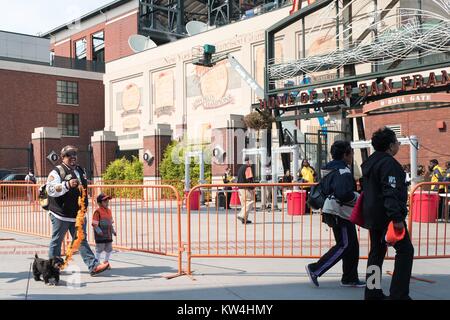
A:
(48, 268)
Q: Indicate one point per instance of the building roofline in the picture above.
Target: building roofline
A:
(22, 34)
(102, 9)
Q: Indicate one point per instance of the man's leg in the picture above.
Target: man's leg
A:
(243, 199)
(250, 202)
(350, 259)
(404, 254)
(59, 230)
(377, 253)
(85, 250)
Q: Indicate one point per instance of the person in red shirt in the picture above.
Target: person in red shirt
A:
(102, 221)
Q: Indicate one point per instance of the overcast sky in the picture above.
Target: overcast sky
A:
(39, 16)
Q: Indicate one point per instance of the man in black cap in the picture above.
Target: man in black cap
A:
(63, 193)
(245, 175)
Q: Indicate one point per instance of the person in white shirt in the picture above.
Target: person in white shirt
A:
(63, 192)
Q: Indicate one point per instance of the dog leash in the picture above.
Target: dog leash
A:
(28, 282)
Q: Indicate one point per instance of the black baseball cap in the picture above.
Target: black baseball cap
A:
(102, 197)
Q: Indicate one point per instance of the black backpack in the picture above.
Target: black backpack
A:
(318, 195)
(43, 196)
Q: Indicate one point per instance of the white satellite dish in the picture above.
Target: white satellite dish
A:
(196, 27)
(140, 43)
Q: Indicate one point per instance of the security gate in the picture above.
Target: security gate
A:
(316, 147)
(17, 159)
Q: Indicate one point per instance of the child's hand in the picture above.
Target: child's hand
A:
(98, 231)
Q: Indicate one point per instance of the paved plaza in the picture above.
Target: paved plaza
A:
(142, 276)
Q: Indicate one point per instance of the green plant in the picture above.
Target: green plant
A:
(172, 168)
(123, 171)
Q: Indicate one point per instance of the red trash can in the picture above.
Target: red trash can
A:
(425, 206)
(296, 201)
(234, 201)
(195, 199)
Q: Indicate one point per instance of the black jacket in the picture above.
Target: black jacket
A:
(341, 184)
(67, 204)
(385, 191)
(241, 176)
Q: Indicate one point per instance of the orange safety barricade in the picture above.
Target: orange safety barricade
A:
(217, 232)
(144, 221)
(429, 219)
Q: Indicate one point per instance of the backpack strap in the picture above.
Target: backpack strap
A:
(61, 171)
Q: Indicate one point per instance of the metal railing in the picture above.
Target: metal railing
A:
(288, 229)
(143, 221)
(282, 225)
(429, 220)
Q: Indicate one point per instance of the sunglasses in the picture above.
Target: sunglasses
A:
(70, 154)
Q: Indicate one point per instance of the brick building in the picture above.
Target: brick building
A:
(98, 36)
(35, 95)
(157, 95)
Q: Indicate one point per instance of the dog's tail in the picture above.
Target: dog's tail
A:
(36, 255)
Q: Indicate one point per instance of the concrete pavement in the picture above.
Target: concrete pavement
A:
(141, 276)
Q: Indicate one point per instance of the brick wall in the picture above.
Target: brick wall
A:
(434, 143)
(28, 100)
(116, 39)
(156, 145)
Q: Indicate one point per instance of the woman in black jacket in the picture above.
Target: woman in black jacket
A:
(385, 196)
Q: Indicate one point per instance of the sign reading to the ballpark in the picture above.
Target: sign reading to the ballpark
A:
(339, 94)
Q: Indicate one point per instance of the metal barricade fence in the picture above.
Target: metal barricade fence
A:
(144, 222)
(286, 230)
(147, 222)
(429, 222)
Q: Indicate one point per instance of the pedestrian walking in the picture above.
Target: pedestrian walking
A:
(246, 194)
(30, 179)
(103, 224)
(62, 188)
(227, 178)
(340, 188)
(385, 197)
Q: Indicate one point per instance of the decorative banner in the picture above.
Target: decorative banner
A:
(213, 83)
(131, 123)
(261, 62)
(322, 45)
(164, 93)
(131, 100)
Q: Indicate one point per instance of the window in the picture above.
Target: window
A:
(80, 49)
(66, 92)
(68, 124)
(397, 128)
(98, 47)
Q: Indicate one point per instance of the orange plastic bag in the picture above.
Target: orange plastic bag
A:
(394, 235)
